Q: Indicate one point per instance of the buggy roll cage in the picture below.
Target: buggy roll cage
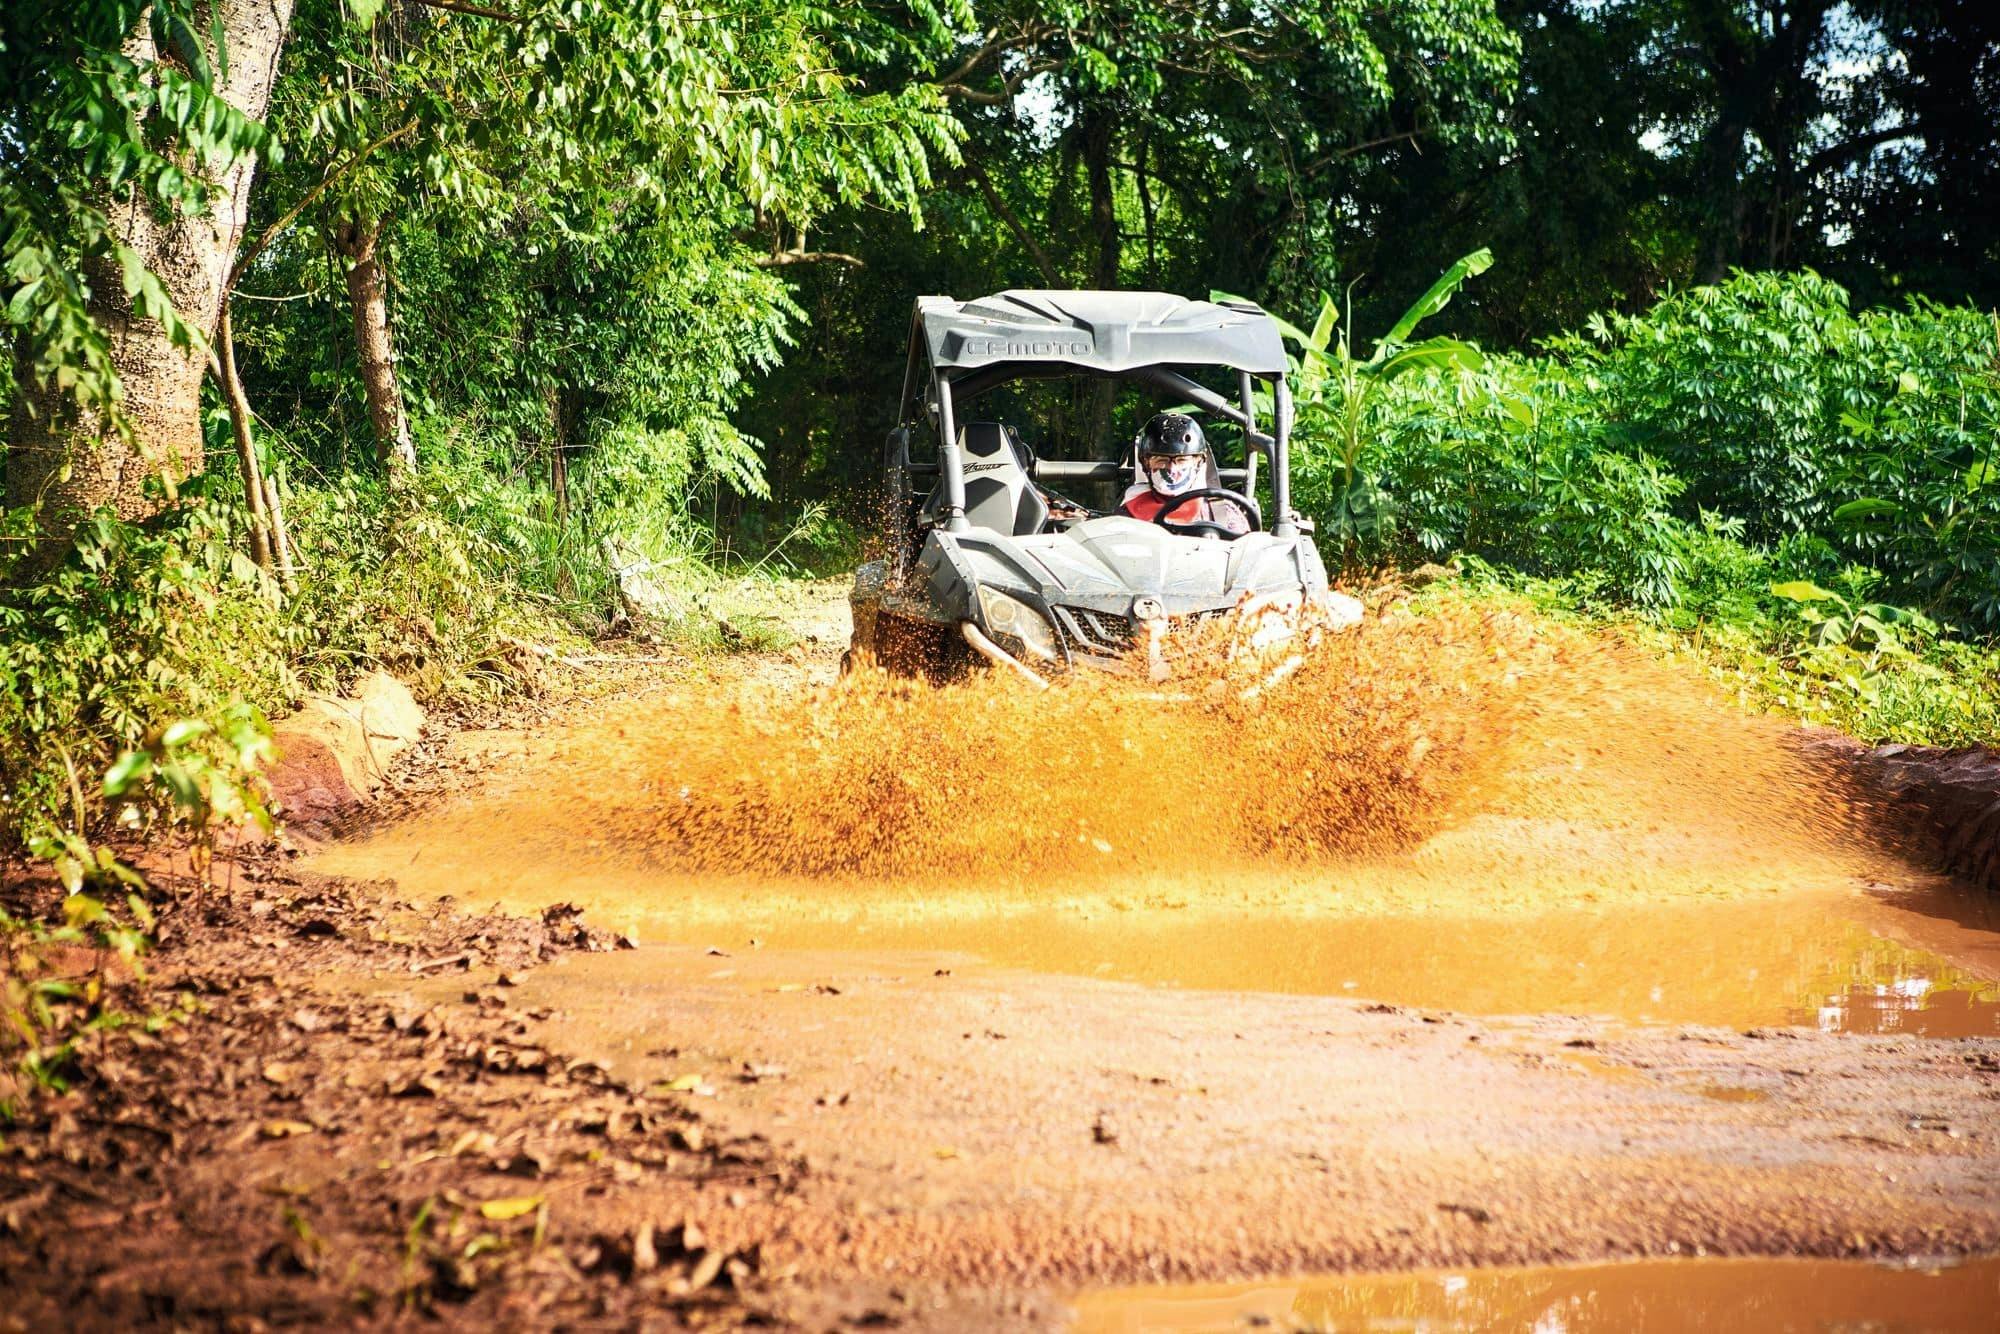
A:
(1059, 335)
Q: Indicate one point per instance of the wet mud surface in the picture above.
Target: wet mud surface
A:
(1539, 956)
(267, 1153)
(1666, 1297)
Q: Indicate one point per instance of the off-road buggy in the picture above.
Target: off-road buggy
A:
(988, 558)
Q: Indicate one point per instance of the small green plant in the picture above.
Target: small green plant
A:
(47, 1006)
(1877, 629)
(202, 775)
(1335, 395)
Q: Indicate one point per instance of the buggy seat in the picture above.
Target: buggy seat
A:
(1000, 490)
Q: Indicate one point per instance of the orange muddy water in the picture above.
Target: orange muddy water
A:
(1467, 812)
(1656, 1297)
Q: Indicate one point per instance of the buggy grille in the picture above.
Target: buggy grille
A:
(1101, 632)
(1109, 634)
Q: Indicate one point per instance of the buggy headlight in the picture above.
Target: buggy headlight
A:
(1010, 616)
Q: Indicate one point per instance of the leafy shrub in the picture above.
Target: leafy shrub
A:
(1762, 410)
(1729, 385)
(1875, 431)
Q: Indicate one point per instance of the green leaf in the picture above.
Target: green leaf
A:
(219, 39)
(180, 733)
(1440, 294)
(1801, 590)
(1868, 508)
(171, 31)
(80, 910)
(131, 767)
(364, 12)
(1448, 352)
(1329, 316)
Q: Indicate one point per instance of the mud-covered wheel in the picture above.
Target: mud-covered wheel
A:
(910, 647)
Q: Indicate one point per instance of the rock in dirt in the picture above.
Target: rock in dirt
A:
(334, 753)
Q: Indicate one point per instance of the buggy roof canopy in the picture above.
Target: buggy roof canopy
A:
(1107, 332)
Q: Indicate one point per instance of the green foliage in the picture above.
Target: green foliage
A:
(1729, 385)
(49, 1009)
(1763, 409)
(152, 653)
(1335, 397)
(90, 116)
(136, 626)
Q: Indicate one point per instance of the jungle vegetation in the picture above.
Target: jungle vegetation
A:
(353, 332)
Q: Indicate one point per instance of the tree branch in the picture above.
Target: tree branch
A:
(786, 258)
(1848, 150)
(995, 45)
(477, 11)
(291, 215)
(1342, 154)
(1013, 221)
(1008, 86)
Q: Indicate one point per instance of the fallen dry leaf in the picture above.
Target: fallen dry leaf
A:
(512, 1206)
(283, 1129)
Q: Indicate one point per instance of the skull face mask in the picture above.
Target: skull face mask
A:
(1172, 474)
(1172, 452)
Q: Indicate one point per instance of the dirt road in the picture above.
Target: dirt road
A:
(1615, 993)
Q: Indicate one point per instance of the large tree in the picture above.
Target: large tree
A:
(127, 142)
(1175, 144)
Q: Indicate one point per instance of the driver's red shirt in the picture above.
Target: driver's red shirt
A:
(1147, 504)
(1142, 502)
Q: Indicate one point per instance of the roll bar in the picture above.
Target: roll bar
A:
(947, 389)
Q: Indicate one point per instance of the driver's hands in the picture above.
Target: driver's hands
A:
(1229, 514)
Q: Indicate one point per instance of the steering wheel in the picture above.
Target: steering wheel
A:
(1207, 527)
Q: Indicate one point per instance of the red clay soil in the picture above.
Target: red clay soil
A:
(278, 1155)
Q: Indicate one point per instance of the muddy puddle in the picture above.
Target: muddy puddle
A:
(1664, 1297)
(1830, 962)
(1921, 960)
(1463, 812)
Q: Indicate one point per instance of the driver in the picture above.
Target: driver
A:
(1173, 460)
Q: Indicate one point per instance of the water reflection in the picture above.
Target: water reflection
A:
(1917, 1006)
(1670, 1296)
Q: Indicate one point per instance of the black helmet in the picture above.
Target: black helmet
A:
(1172, 451)
(1171, 433)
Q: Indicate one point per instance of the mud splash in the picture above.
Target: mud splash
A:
(1660, 1296)
(1390, 737)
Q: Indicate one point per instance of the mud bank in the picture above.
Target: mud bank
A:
(1948, 800)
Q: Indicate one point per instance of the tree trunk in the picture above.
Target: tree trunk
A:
(72, 461)
(261, 548)
(1100, 131)
(560, 415)
(375, 345)
(1728, 195)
